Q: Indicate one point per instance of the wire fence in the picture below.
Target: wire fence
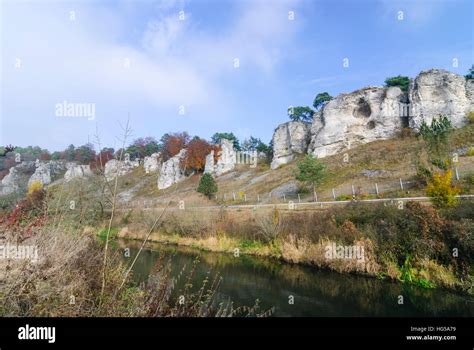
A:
(369, 192)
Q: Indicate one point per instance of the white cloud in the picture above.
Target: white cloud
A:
(171, 62)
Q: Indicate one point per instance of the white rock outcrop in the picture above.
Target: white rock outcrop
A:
(41, 174)
(210, 166)
(226, 159)
(365, 115)
(377, 113)
(151, 164)
(47, 172)
(438, 92)
(288, 140)
(119, 167)
(171, 171)
(17, 177)
(75, 171)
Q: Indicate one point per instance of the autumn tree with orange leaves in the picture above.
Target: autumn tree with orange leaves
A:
(196, 152)
(173, 143)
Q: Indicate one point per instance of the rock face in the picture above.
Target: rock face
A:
(365, 115)
(171, 171)
(17, 178)
(438, 92)
(116, 167)
(76, 171)
(47, 172)
(225, 162)
(289, 139)
(209, 167)
(377, 113)
(151, 164)
(41, 174)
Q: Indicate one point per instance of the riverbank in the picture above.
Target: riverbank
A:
(415, 245)
(312, 292)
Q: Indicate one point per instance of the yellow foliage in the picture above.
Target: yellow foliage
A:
(276, 217)
(35, 185)
(441, 190)
(470, 152)
(470, 117)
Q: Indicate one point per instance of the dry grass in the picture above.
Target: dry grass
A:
(302, 251)
(65, 281)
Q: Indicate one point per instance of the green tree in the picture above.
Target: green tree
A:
(470, 75)
(56, 155)
(310, 171)
(143, 147)
(300, 113)
(207, 185)
(85, 154)
(218, 136)
(402, 82)
(321, 99)
(70, 153)
(436, 135)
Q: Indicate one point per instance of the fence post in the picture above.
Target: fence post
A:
(376, 189)
(333, 194)
(299, 198)
(315, 196)
(457, 174)
(353, 191)
(225, 197)
(245, 197)
(233, 195)
(258, 198)
(401, 184)
(284, 197)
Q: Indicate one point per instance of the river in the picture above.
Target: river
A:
(293, 290)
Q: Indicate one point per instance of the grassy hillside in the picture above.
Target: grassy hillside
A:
(383, 162)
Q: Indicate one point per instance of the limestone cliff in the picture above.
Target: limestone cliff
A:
(376, 113)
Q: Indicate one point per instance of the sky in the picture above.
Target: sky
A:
(206, 66)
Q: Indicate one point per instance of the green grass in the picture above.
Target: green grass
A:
(113, 233)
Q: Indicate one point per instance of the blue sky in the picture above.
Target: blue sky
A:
(138, 57)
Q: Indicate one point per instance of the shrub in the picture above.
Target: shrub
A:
(470, 117)
(34, 186)
(441, 191)
(207, 186)
(470, 152)
(269, 225)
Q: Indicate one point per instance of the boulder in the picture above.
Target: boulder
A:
(151, 164)
(77, 171)
(116, 167)
(438, 92)
(288, 140)
(171, 171)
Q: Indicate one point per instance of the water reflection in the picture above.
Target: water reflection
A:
(315, 292)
